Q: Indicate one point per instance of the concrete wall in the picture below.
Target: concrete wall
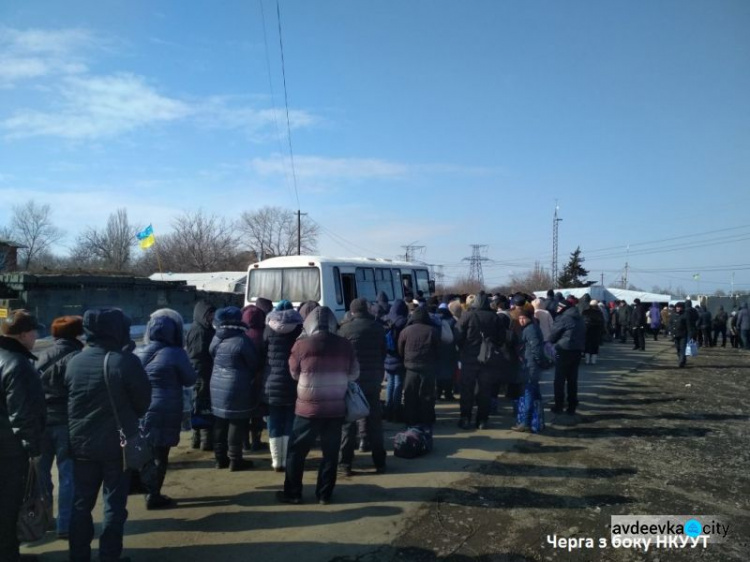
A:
(50, 296)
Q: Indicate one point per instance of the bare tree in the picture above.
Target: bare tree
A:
(272, 231)
(108, 248)
(464, 286)
(537, 279)
(31, 226)
(199, 242)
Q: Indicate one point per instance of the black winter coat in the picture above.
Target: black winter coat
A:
(418, 343)
(91, 421)
(637, 317)
(569, 331)
(22, 409)
(197, 343)
(51, 364)
(480, 319)
(367, 336)
(282, 329)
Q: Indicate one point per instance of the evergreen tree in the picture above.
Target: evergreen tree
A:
(574, 274)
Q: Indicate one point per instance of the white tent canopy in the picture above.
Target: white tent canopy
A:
(608, 294)
(217, 281)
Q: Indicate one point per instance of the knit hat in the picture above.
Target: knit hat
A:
(284, 305)
(19, 322)
(572, 301)
(519, 299)
(67, 327)
(562, 306)
(594, 302)
(264, 304)
(358, 306)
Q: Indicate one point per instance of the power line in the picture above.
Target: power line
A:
(273, 103)
(286, 105)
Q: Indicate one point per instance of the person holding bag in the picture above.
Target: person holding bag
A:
(22, 417)
(99, 411)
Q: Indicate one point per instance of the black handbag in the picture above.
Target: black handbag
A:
(35, 515)
(136, 453)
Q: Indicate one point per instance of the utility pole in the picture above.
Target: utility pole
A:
(602, 279)
(731, 292)
(625, 277)
(299, 231)
(439, 275)
(555, 225)
(410, 250)
(475, 263)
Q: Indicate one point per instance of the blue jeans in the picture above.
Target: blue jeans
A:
(56, 444)
(394, 390)
(88, 477)
(280, 420)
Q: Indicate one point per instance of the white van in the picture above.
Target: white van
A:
(335, 282)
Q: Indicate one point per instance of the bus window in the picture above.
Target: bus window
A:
(384, 282)
(366, 283)
(293, 284)
(398, 288)
(423, 281)
(337, 286)
(407, 285)
(265, 283)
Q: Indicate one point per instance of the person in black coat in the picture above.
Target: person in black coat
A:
(232, 387)
(594, 320)
(683, 330)
(477, 378)
(530, 414)
(569, 336)
(638, 325)
(197, 342)
(283, 327)
(418, 344)
(51, 364)
(22, 413)
(94, 434)
(368, 338)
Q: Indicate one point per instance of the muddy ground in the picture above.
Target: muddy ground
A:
(654, 440)
(651, 439)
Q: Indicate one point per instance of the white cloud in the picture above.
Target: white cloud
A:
(260, 124)
(320, 168)
(35, 53)
(96, 107)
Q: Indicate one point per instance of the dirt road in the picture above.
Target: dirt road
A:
(651, 439)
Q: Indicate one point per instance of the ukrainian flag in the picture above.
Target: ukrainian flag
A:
(146, 237)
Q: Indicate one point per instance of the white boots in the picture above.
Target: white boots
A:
(278, 447)
(590, 358)
(593, 358)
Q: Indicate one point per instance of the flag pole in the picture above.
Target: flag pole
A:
(158, 258)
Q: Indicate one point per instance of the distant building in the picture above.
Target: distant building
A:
(9, 256)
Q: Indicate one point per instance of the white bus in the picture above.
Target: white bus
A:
(335, 282)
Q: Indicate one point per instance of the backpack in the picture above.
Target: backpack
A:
(412, 442)
(446, 332)
(490, 354)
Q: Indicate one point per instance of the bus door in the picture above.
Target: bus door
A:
(349, 288)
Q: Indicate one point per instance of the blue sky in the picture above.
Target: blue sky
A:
(439, 123)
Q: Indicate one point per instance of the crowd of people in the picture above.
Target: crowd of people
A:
(238, 370)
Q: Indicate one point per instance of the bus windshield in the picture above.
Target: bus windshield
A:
(296, 284)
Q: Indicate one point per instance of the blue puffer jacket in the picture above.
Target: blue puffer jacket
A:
(396, 320)
(169, 370)
(235, 364)
(282, 329)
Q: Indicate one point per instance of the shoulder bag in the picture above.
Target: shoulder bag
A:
(136, 453)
